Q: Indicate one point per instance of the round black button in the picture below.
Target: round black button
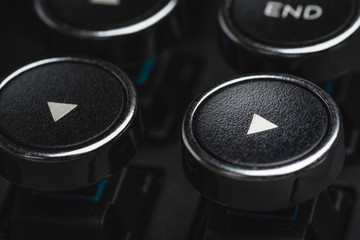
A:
(104, 14)
(116, 30)
(103, 19)
(300, 37)
(291, 23)
(66, 123)
(60, 105)
(226, 123)
(262, 142)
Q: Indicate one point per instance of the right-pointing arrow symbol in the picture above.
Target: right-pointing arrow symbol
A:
(60, 110)
(260, 124)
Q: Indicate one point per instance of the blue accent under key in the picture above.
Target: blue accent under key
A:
(70, 197)
(145, 71)
(264, 216)
(188, 157)
(329, 87)
(225, 41)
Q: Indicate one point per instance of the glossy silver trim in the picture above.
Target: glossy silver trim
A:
(316, 156)
(246, 42)
(126, 118)
(54, 23)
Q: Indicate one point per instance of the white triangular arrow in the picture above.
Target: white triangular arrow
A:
(260, 124)
(60, 110)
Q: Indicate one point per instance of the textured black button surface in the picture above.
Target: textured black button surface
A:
(102, 14)
(262, 142)
(67, 123)
(291, 23)
(26, 117)
(223, 120)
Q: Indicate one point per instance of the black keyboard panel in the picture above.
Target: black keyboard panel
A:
(151, 198)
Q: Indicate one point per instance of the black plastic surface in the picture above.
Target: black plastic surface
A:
(223, 120)
(100, 212)
(26, 117)
(307, 221)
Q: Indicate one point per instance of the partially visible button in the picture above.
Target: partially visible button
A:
(125, 32)
(66, 123)
(298, 37)
(262, 142)
(293, 23)
(102, 15)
